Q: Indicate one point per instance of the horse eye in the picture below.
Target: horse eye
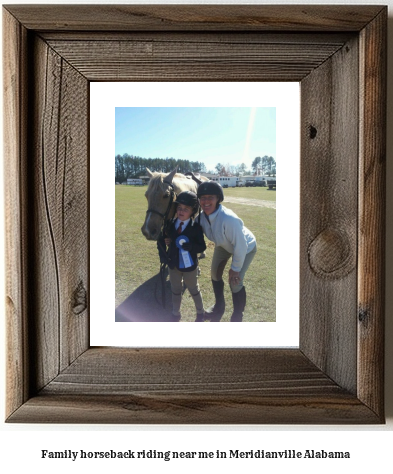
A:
(166, 196)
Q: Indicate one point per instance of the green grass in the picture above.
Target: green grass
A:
(137, 262)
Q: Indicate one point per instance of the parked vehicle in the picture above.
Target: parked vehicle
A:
(250, 183)
(271, 183)
(134, 181)
(229, 181)
(260, 181)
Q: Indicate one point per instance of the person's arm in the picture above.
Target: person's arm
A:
(233, 277)
(233, 230)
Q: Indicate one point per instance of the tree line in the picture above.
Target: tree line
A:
(265, 166)
(129, 166)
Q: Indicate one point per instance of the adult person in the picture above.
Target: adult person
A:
(232, 239)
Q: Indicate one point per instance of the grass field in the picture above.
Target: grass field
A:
(138, 288)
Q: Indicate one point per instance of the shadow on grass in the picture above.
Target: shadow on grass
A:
(142, 304)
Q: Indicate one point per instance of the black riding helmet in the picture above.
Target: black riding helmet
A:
(211, 188)
(188, 198)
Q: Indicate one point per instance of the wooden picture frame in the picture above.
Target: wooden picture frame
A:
(338, 54)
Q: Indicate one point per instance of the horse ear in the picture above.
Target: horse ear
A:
(170, 176)
(149, 172)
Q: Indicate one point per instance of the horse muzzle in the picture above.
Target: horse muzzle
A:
(150, 234)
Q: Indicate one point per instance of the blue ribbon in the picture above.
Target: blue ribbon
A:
(178, 245)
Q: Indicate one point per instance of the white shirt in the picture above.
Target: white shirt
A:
(226, 230)
(185, 223)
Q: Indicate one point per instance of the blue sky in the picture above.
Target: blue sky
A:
(208, 134)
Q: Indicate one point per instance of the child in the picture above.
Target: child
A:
(184, 240)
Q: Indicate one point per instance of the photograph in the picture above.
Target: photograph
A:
(195, 214)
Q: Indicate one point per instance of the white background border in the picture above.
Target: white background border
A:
(20, 443)
(104, 97)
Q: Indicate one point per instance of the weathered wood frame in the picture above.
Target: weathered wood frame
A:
(338, 54)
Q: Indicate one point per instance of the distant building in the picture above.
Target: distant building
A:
(135, 182)
(209, 175)
(145, 179)
(254, 178)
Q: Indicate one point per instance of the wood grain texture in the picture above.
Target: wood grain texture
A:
(194, 409)
(329, 174)
(195, 17)
(372, 199)
(201, 37)
(60, 180)
(173, 385)
(185, 59)
(14, 148)
(335, 376)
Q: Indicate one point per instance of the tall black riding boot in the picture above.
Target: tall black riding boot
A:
(239, 303)
(215, 312)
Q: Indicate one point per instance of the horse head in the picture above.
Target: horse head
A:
(160, 195)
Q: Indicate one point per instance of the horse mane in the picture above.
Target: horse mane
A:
(157, 180)
(155, 183)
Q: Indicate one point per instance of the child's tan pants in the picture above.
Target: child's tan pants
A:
(191, 281)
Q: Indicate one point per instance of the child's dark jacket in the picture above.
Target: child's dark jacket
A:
(195, 237)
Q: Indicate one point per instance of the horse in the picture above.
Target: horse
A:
(161, 197)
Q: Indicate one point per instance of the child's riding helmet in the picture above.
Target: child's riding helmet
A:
(188, 198)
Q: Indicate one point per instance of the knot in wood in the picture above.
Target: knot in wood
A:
(313, 132)
(364, 316)
(331, 255)
(80, 299)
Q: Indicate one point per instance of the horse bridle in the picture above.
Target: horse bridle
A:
(164, 218)
(171, 198)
